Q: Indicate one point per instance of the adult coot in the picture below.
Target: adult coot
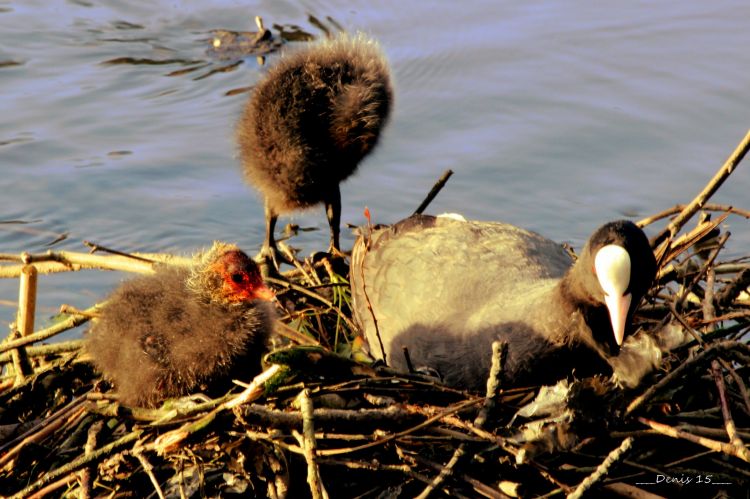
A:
(308, 124)
(180, 329)
(446, 289)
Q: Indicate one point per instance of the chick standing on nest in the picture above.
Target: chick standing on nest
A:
(181, 329)
(308, 124)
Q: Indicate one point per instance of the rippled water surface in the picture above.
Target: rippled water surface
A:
(555, 116)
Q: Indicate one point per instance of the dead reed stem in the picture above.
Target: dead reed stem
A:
(308, 443)
(434, 192)
(713, 185)
(729, 449)
(44, 334)
(731, 428)
(25, 319)
(44, 350)
(680, 371)
(499, 352)
(601, 471)
(679, 207)
(79, 463)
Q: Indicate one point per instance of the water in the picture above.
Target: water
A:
(555, 116)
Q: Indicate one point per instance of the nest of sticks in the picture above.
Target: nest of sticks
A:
(320, 422)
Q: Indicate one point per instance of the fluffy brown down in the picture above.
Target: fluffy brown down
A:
(311, 120)
(156, 338)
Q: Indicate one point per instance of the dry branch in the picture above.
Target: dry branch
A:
(713, 185)
(601, 471)
(79, 463)
(731, 428)
(44, 334)
(680, 207)
(70, 261)
(308, 443)
(703, 357)
(729, 449)
(434, 192)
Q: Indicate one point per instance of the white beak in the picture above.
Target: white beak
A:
(612, 264)
(618, 312)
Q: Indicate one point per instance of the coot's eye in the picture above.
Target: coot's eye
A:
(238, 277)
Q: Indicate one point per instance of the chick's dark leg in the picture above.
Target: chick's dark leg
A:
(270, 257)
(333, 212)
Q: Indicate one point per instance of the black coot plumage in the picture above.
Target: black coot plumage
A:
(181, 329)
(309, 122)
(446, 289)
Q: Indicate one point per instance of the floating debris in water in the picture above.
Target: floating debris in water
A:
(232, 45)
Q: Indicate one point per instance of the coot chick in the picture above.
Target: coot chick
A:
(446, 289)
(309, 122)
(181, 329)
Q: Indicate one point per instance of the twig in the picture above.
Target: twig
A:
(39, 433)
(688, 458)
(730, 292)
(621, 489)
(79, 463)
(254, 390)
(6, 383)
(25, 318)
(52, 487)
(483, 434)
(734, 470)
(726, 169)
(86, 473)
(683, 323)
(407, 359)
(444, 472)
(44, 350)
(27, 300)
(376, 466)
(69, 261)
(499, 354)
(274, 439)
(360, 419)
(729, 449)
(709, 262)
(290, 256)
(731, 428)
(21, 366)
(709, 308)
(308, 443)
(499, 351)
(705, 355)
(706, 431)
(594, 478)
(287, 332)
(60, 327)
(171, 440)
(64, 412)
(97, 247)
(671, 249)
(149, 469)
(480, 487)
(451, 410)
(71, 310)
(740, 384)
(434, 191)
(679, 207)
(316, 296)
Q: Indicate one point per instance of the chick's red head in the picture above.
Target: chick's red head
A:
(241, 278)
